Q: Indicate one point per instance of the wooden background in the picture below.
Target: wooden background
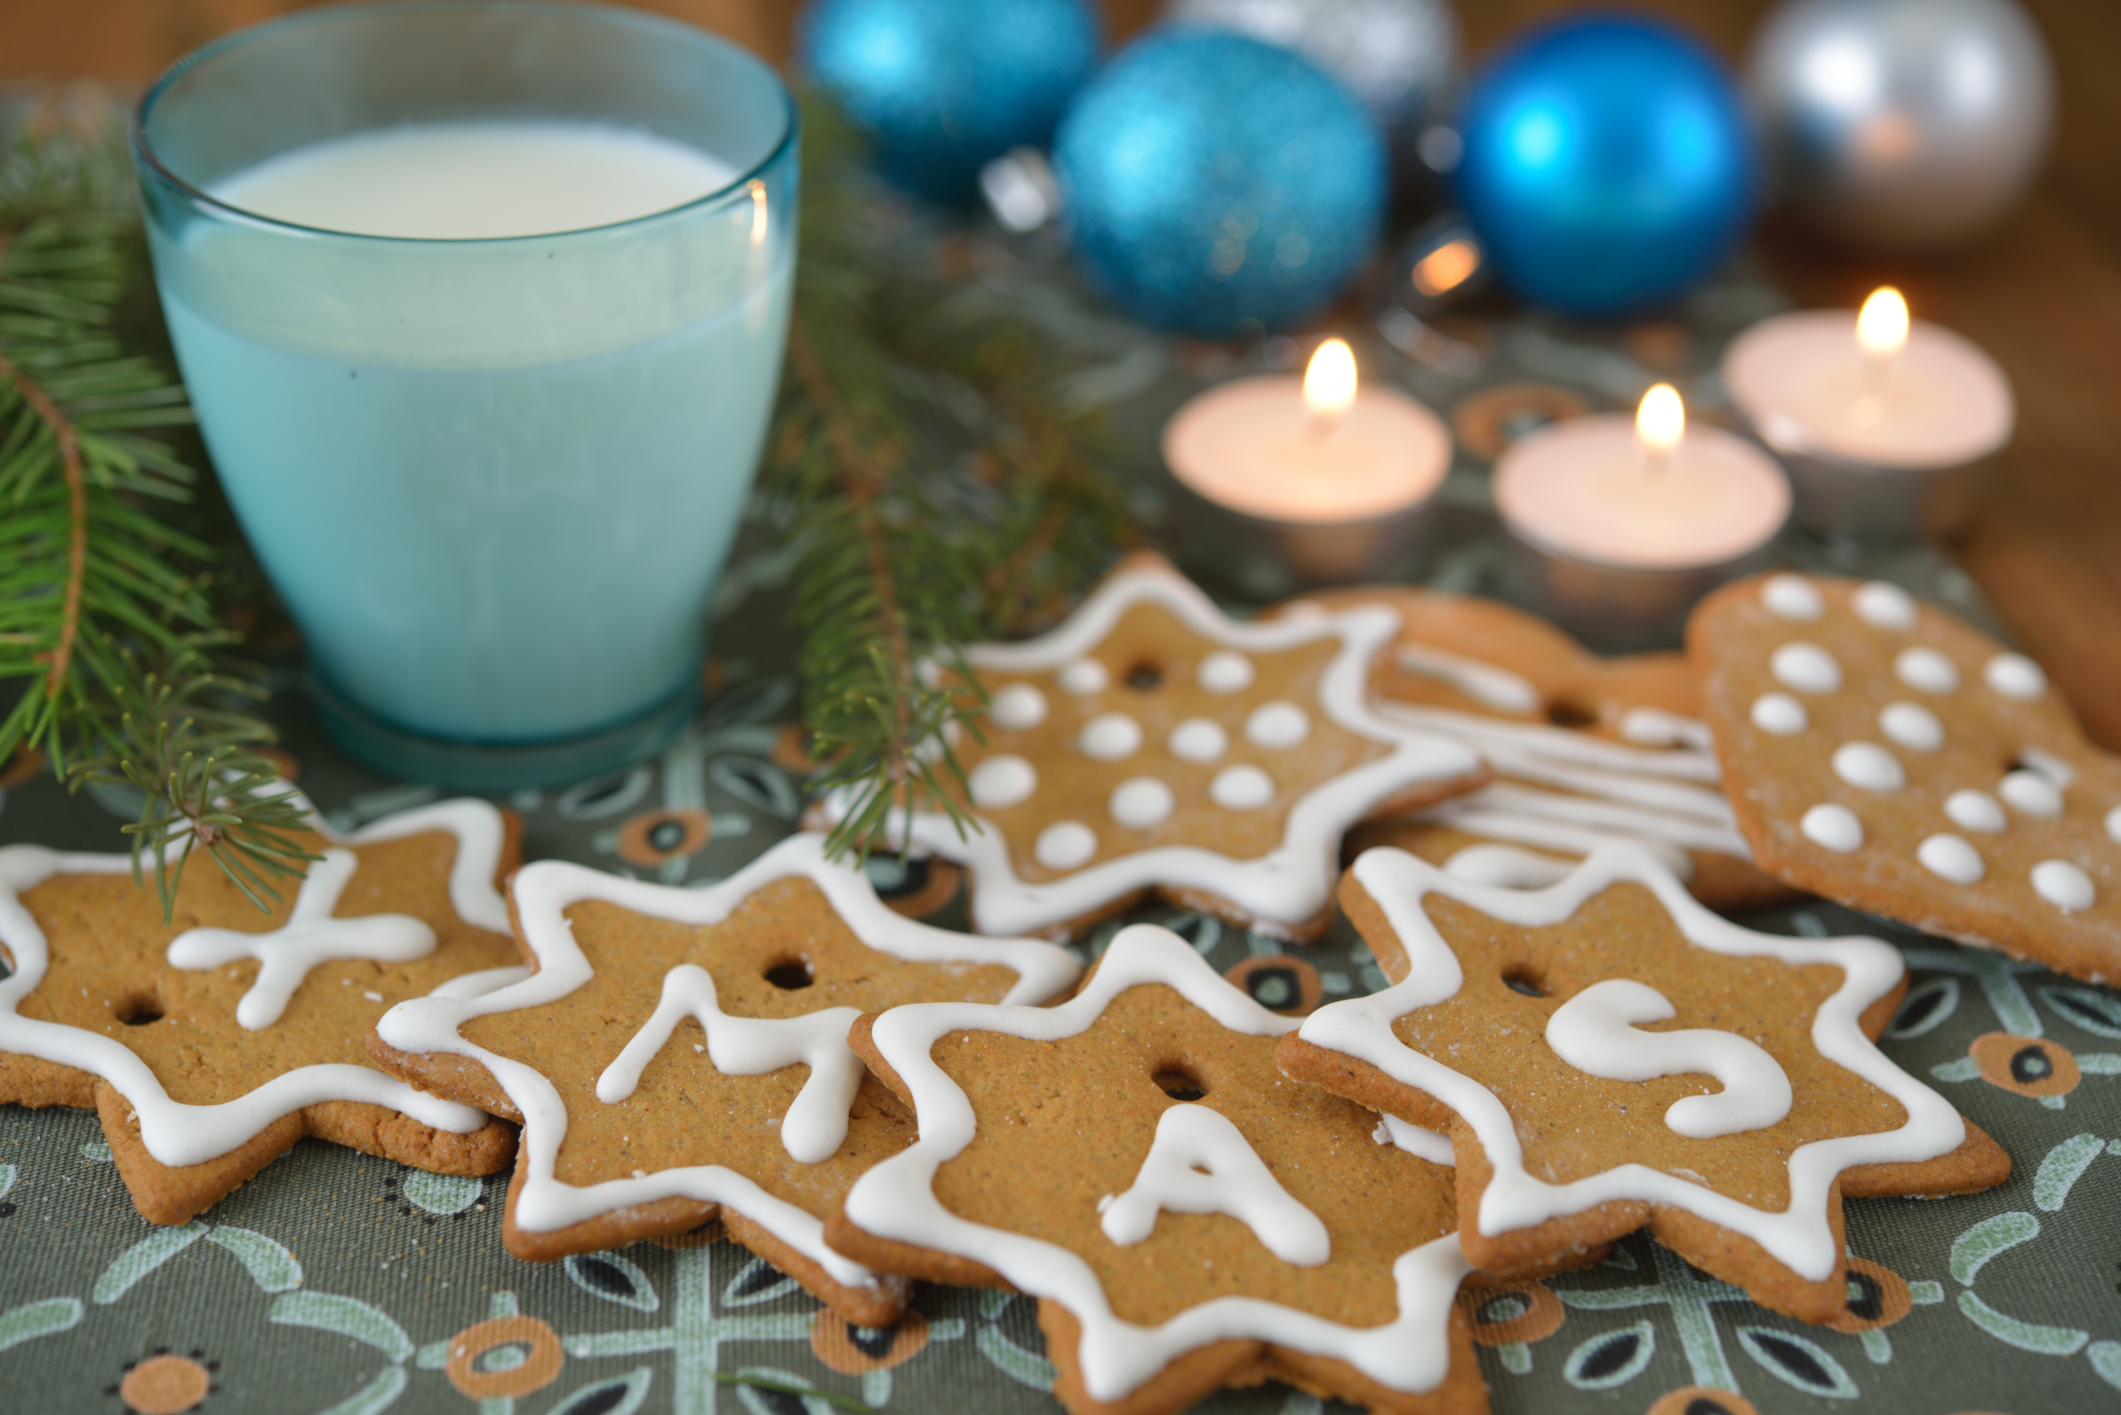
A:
(2043, 295)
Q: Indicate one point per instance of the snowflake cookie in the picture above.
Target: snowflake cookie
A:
(1888, 756)
(1151, 742)
(1589, 751)
(679, 1055)
(1607, 1054)
(210, 1044)
(1186, 1218)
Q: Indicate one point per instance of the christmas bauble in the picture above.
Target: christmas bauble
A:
(1902, 124)
(1214, 183)
(1607, 165)
(944, 86)
(1396, 56)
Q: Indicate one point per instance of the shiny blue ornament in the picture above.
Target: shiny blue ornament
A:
(1216, 184)
(1607, 167)
(943, 87)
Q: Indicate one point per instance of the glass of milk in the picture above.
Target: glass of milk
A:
(482, 308)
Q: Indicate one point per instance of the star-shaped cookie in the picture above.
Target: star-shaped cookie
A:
(1890, 757)
(1607, 1054)
(210, 1044)
(1152, 742)
(679, 1054)
(1187, 1218)
(1588, 751)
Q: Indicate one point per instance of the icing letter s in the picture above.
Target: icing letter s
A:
(1200, 1163)
(1596, 1032)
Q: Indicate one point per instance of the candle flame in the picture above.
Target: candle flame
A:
(1881, 326)
(1329, 380)
(758, 214)
(1660, 422)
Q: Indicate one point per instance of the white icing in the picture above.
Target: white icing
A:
(309, 937)
(1883, 606)
(1200, 1163)
(2049, 765)
(1277, 726)
(1912, 726)
(1484, 683)
(2063, 885)
(1951, 857)
(1868, 767)
(543, 894)
(1199, 739)
(1654, 727)
(1799, 1236)
(1065, 845)
(1018, 707)
(1926, 671)
(1598, 1032)
(1281, 889)
(1415, 1140)
(1570, 792)
(1507, 866)
(816, 1124)
(896, 1199)
(1806, 667)
(1142, 802)
(1111, 737)
(1085, 677)
(1227, 672)
(2113, 825)
(2031, 793)
(1975, 810)
(1780, 714)
(1243, 787)
(177, 1134)
(2015, 676)
(1792, 597)
(1833, 828)
(1002, 781)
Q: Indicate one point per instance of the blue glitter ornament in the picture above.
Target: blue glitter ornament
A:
(1215, 183)
(945, 86)
(1607, 165)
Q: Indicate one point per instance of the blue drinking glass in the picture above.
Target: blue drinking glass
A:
(494, 479)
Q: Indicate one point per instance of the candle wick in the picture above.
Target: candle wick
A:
(1318, 426)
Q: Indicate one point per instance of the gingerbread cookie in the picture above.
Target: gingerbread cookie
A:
(210, 1044)
(1187, 1219)
(1151, 742)
(1589, 750)
(680, 1055)
(1607, 1054)
(1888, 756)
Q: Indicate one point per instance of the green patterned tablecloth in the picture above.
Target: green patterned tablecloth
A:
(337, 1282)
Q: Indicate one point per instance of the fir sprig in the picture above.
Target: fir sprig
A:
(104, 619)
(896, 573)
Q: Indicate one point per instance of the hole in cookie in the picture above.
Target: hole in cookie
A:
(139, 1010)
(1143, 676)
(1520, 977)
(1178, 1083)
(790, 974)
(1572, 713)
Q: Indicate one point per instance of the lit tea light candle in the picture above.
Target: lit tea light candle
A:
(1309, 481)
(1888, 425)
(1617, 526)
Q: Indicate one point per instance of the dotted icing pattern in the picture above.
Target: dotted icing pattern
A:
(1151, 741)
(1888, 756)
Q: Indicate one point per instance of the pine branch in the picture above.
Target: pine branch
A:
(104, 619)
(897, 569)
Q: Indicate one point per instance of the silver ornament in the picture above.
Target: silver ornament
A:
(1396, 56)
(1902, 124)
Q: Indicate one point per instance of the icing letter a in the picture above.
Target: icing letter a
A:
(1596, 1032)
(1201, 1164)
